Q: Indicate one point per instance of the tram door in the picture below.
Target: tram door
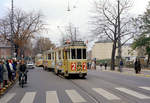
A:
(55, 62)
(66, 63)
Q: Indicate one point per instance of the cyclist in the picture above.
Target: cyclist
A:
(22, 69)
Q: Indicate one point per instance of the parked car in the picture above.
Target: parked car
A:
(30, 65)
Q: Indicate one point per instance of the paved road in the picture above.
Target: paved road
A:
(99, 87)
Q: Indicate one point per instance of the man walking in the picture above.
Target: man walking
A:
(105, 65)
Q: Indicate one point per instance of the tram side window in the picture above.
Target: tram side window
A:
(78, 53)
(68, 54)
(73, 54)
(59, 54)
(84, 53)
(53, 56)
(49, 56)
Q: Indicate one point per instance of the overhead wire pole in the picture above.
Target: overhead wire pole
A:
(12, 28)
(119, 37)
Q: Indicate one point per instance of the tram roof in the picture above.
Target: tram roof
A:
(74, 43)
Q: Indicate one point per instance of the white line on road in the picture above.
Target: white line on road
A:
(133, 93)
(146, 88)
(7, 97)
(51, 97)
(28, 97)
(106, 94)
(74, 96)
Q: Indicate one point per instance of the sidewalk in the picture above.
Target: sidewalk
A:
(5, 88)
(129, 71)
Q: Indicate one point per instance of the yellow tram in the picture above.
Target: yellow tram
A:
(47, 60)
(39, 60)
(69, 59)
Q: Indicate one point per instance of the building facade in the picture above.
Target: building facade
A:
(5, 49)
(103, 50)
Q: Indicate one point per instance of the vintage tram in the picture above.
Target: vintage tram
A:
(69, 59)
(39, 60)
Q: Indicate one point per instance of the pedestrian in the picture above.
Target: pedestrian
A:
(105, 65)
(9, 71)
(1, 72)
(121, 65)
(14, 64)
(100, 65)
(5, 74)
(92, 65)
(136, 66)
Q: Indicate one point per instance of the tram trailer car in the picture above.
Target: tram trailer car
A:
(47, 60)
(39, 60)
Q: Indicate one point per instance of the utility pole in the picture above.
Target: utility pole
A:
(119, 38)
(75, 33)
(12, 28)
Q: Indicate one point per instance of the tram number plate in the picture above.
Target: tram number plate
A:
(84, 67)
(73, 66)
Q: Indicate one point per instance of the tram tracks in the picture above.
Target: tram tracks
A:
(91, 96)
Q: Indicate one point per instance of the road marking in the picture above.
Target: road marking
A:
(28, 97)
(106, 94)
(146, 88)
(74, 96)
(147, 75)
(133, 93)
(7, 97)
(51, 97)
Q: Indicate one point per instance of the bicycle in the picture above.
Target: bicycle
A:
(22, 79)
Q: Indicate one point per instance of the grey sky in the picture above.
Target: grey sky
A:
(56, 13)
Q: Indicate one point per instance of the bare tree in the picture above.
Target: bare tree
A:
(70, 33)
(42, 44)
(26, 26)
(105, 23)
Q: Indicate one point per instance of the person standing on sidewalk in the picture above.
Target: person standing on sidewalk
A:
(9, 71)
(105, 65)
(1, 73)
(136, 66)
(101, 66)
(5, 74)
(121, 65)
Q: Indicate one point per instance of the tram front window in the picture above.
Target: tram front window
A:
(73, 54)
(78, 53)
(84, 53)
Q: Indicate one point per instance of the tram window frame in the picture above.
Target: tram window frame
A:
(84, 53)
(63, 54)
(68, 53)
(79, 53)
(59, 54)
(73, 53)
(49, 56)
(57, 58)
(53, 56)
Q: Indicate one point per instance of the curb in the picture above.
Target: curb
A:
(6, 89)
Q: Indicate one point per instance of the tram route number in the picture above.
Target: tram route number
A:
(84, 67)
(73, 66)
